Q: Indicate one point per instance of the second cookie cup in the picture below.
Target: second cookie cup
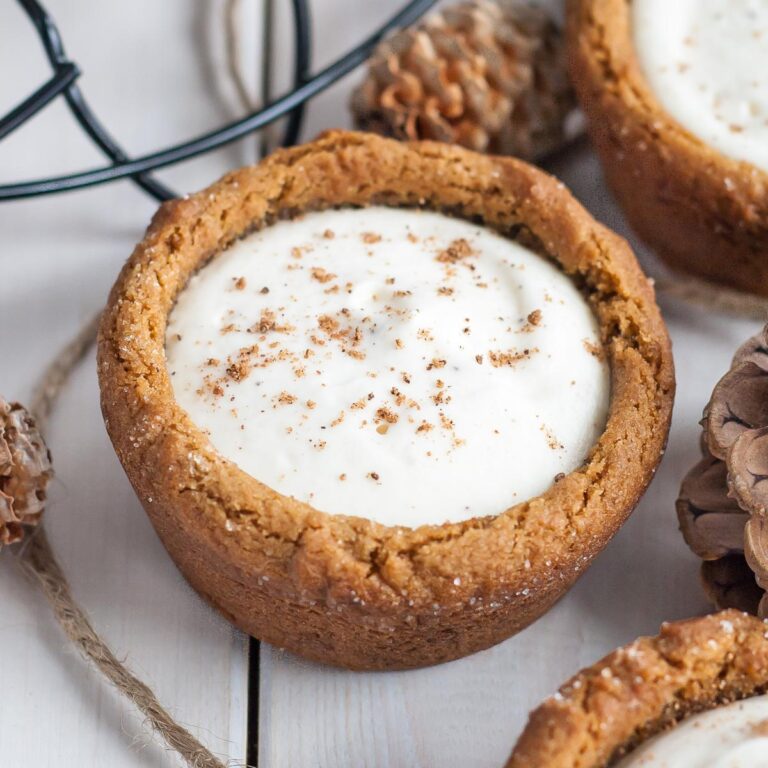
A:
(703, 213)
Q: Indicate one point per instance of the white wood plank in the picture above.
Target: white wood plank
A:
(58, 257)
(470, 712)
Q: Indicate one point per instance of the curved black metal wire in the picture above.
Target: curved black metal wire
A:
(54, 49)
(137, 167)
(302, 49)
(43, 96)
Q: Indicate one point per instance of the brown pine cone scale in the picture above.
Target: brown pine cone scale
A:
(723, 502)
(25, 471)
(489, 76)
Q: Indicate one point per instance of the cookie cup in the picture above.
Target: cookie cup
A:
(703, 213)
(345, 590)
(642, 689)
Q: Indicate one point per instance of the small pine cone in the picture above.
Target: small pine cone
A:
(25, 470)
(723, 501)
(488, 75)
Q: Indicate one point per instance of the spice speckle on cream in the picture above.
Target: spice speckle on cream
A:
(733, 736)
(394, 364)
(707, 63)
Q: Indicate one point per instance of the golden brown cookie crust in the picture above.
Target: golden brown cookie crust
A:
(702, 212)
(641, 689)
(346, 590)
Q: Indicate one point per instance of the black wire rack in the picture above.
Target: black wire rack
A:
(63, 82)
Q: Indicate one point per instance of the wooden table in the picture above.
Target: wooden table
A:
(153, 71)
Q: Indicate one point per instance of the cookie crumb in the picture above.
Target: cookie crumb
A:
(509, 359)
(322, 275)
(385, 414)
(457, 250)
(594, 349)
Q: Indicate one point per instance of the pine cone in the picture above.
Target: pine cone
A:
(723, 503)
(25, 470)
(489, 76)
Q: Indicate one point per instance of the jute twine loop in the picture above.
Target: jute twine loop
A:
(56, 375)
(38, 560)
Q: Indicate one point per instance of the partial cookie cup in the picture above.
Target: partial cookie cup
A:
(345, 590)
(615, 706)
(702, 212)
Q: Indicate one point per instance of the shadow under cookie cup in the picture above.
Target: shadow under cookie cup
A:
(642, 689)
(703, 213)
(345, 590)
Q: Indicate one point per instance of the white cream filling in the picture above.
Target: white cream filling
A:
(398, 365)
(707, 63)
(734, 736)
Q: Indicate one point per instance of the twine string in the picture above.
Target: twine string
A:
(58, 371)
(38, 560)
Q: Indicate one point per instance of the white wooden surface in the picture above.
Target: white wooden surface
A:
(57, 260)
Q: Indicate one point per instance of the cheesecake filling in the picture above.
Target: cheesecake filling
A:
(394, 364)
(707, 63)
(733, 736)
